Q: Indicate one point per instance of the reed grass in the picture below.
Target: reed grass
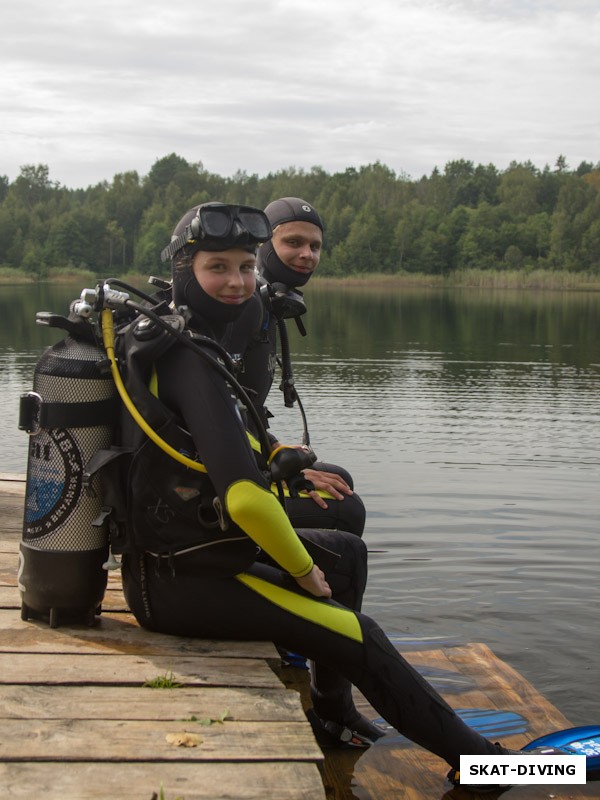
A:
(537, 279)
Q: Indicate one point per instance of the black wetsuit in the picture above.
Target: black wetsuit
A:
(196, 580)
(253, 339)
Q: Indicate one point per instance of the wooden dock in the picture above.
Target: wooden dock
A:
(78, 722)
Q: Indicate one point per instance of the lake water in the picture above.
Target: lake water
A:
(470, 422)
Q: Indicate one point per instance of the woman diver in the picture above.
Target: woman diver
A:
(188, 573)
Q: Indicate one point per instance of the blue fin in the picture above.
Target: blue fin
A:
(581, 741)
(487, 721)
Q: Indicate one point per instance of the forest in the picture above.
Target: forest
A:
(464, 217)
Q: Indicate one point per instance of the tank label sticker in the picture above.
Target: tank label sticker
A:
(54, 481)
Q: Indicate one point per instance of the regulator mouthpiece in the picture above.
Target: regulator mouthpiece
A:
(285, 302)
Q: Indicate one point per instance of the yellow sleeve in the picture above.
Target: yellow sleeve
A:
(260, 515)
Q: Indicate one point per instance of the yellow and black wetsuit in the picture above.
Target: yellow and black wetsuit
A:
(207, 583)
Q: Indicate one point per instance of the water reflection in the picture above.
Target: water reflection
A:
(488, 325)
(470, 422)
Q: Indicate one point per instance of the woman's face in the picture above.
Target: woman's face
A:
(228, 276)
(298, 245)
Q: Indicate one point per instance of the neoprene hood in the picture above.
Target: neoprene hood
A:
(286, 209)
(235, 227)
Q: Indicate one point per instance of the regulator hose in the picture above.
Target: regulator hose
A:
(290, 395)
(108, 338)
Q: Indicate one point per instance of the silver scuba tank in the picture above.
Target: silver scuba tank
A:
(69, 415)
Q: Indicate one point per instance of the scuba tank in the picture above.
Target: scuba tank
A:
(69, 416)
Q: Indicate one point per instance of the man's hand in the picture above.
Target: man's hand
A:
(328, 482)
(315, 583)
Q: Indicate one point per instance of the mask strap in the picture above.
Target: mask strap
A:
(177, 244)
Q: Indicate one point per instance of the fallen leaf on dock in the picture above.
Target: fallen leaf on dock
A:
(184, 739)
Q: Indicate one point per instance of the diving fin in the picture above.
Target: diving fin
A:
(581, 741)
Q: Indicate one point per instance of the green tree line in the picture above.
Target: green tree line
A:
(462, 217)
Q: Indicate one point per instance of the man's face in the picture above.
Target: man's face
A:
(298, 245)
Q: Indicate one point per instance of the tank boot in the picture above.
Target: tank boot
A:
(357, 733)
(454, 774)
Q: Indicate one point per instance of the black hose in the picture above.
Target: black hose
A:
(220, 368)
(290, 395)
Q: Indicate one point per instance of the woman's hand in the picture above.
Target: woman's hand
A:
(328, 482)
(315, 583)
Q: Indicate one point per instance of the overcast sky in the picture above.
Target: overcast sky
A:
(96, 88)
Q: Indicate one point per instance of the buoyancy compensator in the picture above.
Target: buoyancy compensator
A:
(69, 416)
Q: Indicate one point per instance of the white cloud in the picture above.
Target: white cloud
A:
(92, 90)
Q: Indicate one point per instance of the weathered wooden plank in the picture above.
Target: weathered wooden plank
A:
(12, 494)
(147, 740)
(121, 702)
(114, 600)
(116, 633)
(131, 670)
(11, 526)
(9, 562)
(9, 552)
(197, 781)
(9, 545)
(13, 478)
(8, 574)
(507, 689)
(10, 598)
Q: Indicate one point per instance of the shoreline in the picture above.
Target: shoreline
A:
(466, 279)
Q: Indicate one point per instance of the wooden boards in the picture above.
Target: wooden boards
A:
(78, 722)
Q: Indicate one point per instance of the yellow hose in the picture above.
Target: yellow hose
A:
(108, 337)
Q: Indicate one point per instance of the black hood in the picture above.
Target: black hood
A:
(286, 209)
(205, 310)
(274, 270)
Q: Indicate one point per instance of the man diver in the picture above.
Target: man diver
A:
(286, 263)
